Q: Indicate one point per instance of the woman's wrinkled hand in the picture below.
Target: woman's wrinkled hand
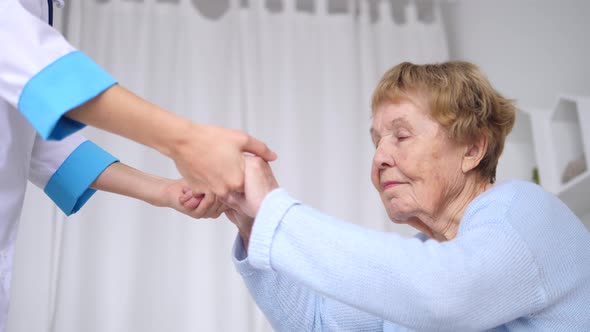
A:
(259, 181)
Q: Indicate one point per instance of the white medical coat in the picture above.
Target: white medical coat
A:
(41, 77)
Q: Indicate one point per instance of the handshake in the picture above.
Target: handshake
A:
(223, 171)
(240, 206)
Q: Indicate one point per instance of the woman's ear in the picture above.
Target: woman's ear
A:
(474, 153)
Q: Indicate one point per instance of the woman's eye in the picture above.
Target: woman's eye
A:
(402, 135)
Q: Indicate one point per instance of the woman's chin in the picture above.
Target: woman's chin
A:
(397, 211)
(397, 217)
(397, 222)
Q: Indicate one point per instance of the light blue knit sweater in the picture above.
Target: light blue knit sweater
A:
(520, 262)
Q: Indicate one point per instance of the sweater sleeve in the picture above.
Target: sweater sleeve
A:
(42, 75)
(477, 281)
(290, 306)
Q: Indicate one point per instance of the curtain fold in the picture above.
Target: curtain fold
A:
(299, 81)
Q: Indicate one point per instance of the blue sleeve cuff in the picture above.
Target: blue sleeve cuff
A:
(272, 210)
(69, 187)
(65, 84)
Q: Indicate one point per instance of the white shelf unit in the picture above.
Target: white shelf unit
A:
(518, 158)
(559, 136)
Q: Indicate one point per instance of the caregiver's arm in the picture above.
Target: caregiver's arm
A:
(204, 155)
(124, 180)
(71, 170)
(45, 77)
(65, 169)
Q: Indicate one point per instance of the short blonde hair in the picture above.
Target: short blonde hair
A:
(460, 98)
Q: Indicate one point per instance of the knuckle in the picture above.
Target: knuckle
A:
(223, 194)
(241, 137)
(236, 183)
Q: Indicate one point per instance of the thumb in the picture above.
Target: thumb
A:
(260, 149)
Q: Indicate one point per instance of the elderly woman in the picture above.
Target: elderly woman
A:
(503, 257)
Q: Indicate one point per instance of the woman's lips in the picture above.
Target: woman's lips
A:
(389, 184)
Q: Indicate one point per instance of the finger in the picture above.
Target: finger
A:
(212, 212)
(204, 206)
(219, 209)
(235, 182)
(222, 208)
(193, 203)
(221, 189)
(185, 197)
(260, 149)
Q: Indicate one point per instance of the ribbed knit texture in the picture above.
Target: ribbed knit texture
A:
(520, 262)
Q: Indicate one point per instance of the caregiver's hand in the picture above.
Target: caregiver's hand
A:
(179, 196)
(214, 156)
(259, 181)
(206, 156)
(125, 180)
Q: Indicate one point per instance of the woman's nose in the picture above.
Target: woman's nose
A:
(383, 157)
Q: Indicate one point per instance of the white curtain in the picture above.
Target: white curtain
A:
(300, 81)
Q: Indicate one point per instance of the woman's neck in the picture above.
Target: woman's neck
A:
(444, 225)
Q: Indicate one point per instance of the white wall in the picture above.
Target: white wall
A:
(532, 50)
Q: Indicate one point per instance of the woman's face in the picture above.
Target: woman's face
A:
(417, 167)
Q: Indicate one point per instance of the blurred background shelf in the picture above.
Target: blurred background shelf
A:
(576, 194)
(560, 149)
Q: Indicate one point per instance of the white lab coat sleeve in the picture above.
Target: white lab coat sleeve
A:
(42, 75)
(65, 169)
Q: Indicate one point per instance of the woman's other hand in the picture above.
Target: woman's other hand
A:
(259, 181)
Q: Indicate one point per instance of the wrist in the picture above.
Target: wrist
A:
(245, 230)
(176, 137)
(158, 194)
(260, 199)
(245, 240)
